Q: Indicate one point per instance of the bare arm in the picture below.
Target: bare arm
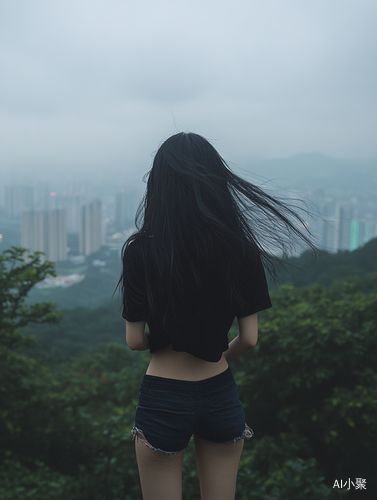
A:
(136, 338)
(247, 338)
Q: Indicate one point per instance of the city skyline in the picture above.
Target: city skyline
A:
(337, 222)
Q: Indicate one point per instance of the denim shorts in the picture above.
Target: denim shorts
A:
(170, 411)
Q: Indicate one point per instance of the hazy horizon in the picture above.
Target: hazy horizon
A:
(99, 85)
(302, 171)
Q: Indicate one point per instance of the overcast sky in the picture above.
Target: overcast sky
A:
(104, 82)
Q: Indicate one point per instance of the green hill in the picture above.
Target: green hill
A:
(328, 268)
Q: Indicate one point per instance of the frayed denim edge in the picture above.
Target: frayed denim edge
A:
(138, 434)
(247, 434)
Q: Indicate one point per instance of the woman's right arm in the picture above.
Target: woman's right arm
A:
(246, 339)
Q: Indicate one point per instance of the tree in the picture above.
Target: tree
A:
(21, 377)
(19, 272)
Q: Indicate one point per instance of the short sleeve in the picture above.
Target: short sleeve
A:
(134, 299)
(253, 288)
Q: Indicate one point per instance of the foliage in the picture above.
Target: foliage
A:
(19, 272)
(329, 268)
(80, 329)
(36, 481)
(309, 390)
(73, 420)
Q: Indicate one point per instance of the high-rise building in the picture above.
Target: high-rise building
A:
(33, 230)
(18, 198)
(343, 218)
(72, 204)
(56, 235)
(355, 234)
(45, 231)
(327, 226)
(90, 234)
(124, 209)
(362, 231)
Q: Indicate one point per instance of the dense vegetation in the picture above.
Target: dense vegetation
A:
(309, 389)
(329, 267)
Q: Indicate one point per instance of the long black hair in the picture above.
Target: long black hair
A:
(197, 213)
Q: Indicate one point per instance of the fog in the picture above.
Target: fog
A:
(95, 86)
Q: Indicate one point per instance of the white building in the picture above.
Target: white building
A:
(72, 204)
(90, 229)
(17, 198)
(45, 231)
(124, 209)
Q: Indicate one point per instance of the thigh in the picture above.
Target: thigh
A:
(217, 467)
(160, 474)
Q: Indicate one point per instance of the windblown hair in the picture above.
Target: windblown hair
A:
(196, 212)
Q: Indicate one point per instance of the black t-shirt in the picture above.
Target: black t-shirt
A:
(208, 314)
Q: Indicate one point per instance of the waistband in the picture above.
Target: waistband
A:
(207, 384)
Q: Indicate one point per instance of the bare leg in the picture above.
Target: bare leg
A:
(160, 474)
(217, 467)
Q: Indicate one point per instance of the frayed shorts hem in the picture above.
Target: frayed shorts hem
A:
(248, 433)
(139, 435)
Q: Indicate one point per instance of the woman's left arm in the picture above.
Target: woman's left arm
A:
(136, 338)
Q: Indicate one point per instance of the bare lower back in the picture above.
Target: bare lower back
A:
(183, 366)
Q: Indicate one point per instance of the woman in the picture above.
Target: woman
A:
(194, 266)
